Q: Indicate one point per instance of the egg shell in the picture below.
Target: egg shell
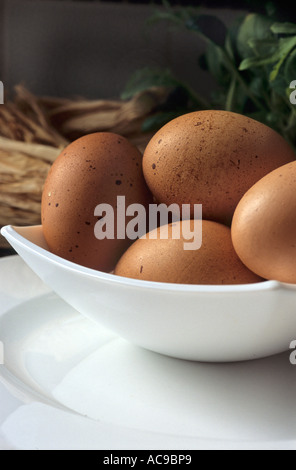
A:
(264, 226)
(92, 170)
(165, 260)
(211, 158)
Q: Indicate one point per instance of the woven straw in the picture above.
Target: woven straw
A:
(34, 130)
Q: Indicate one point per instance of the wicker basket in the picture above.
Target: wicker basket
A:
(33, 131)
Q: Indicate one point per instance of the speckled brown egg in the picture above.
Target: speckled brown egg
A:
(211, 158)
(93, 170)
(264, 226)
(166, 260)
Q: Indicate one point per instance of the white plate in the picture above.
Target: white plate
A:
(210, 323)
(82, 387)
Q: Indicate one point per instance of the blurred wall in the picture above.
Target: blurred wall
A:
(91, 49)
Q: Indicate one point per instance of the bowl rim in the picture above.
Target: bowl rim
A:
(10, 233)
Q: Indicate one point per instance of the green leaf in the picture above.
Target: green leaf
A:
(146, 78)
(263, 47)
(285, 47)
(283, 28)
(253, 62)
(250, 62)
(165, 16)
(254, 27)
(230, 98)
(290, 67)
(175, 16)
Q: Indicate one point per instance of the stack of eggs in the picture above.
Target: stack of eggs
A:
(241, 171)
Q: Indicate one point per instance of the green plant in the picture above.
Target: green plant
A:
(253, 62)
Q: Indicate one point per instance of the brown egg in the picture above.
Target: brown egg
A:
(264, 226)
(211, 158)
(93, 170)
(166, 260)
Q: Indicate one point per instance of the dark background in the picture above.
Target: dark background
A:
(91, 48)
(282, 10)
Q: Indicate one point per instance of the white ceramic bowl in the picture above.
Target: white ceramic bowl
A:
(195, 322)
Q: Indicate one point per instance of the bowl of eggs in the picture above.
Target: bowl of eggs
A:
(228, 297)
